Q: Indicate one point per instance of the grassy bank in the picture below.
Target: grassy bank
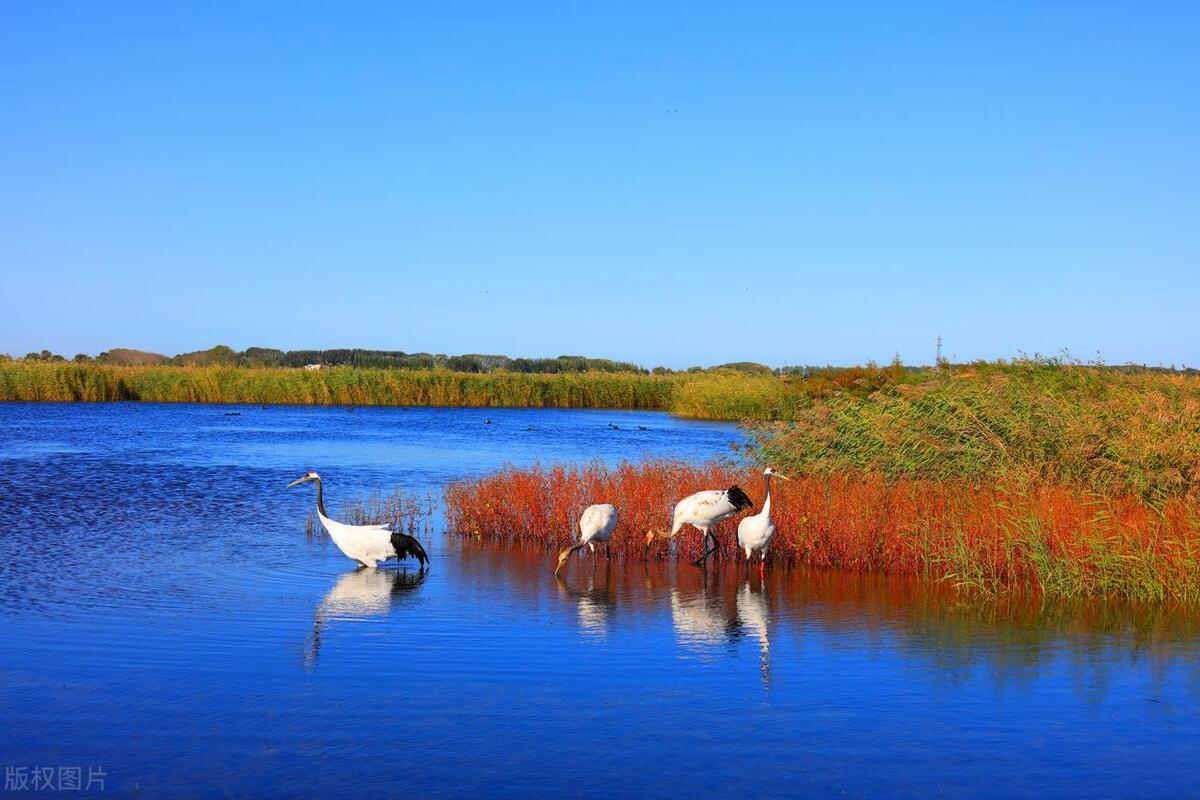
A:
(1100, 430)
(1036, 536)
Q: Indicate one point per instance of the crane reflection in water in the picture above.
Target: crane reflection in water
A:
(710, 619)
(595, 599)
(358, 595)
(719, 616)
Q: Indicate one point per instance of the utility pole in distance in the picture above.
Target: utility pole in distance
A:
(939, 350)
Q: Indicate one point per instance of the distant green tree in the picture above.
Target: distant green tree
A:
(221, 354)
(260, 357)
(746, 366)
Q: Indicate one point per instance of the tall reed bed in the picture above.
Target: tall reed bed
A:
(58, 382)
(1026, 534)
(1130, 431)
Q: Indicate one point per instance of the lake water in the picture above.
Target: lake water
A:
(168, 628)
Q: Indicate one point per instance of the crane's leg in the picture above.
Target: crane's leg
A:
(704, 547)
(708, 551)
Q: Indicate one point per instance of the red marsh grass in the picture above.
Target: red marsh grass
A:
(1010, 534)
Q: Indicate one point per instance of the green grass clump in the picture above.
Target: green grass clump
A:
(1110, 431)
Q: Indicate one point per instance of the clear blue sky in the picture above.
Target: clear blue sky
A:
(839, 182)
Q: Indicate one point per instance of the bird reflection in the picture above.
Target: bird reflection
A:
(359, 594)
(594, 603)
(708, 619)
(700, 620)
(755, 613)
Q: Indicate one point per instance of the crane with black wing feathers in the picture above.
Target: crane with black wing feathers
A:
(366, 544)
(702, 510)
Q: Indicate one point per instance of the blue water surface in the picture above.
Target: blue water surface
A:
(166, 619)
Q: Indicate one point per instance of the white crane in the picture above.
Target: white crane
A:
(702, 510)
(366, 544)
(755, 532)
(596, 524)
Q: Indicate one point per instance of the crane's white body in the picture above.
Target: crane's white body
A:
(366, 544)
(756, 531)
(702, 510)
(596, 526)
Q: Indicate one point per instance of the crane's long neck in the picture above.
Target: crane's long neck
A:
(321, 499)
(766, 509)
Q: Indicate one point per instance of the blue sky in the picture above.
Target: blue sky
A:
(670, 184)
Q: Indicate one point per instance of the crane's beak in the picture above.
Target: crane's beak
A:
(781, 475)
(297, 482)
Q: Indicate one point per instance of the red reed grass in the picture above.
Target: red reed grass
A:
(1022, 533)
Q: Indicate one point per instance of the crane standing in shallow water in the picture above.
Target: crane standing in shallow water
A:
(755, 532)
(366, 544)
(595, 525)
(702, 510)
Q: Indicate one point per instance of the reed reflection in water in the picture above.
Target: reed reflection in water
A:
(950, 637)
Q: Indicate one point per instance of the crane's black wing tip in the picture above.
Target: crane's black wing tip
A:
(406, 546)
(740, 499)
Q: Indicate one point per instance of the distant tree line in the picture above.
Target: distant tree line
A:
(397, 359)
(378, 359)
(481, 363)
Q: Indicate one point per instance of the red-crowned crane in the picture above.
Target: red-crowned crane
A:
(702, 510)
(755, 532)
(595, 525)
(366, 544)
